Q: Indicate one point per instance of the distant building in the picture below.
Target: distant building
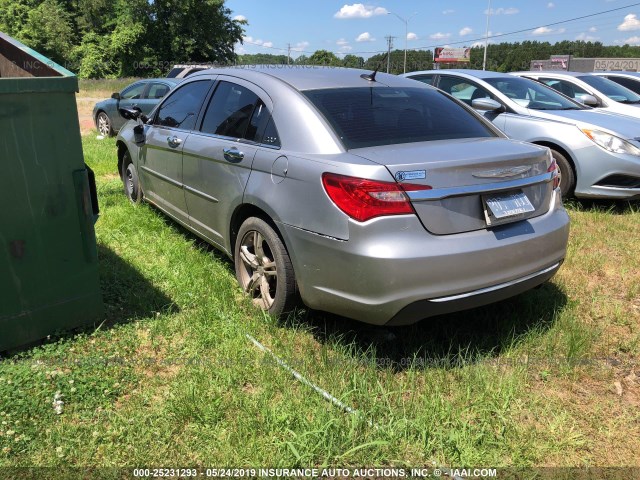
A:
(571, 63)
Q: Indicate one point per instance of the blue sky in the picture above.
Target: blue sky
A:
(361, 28)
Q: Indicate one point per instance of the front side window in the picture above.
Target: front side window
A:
(180, 109)
(530, 94)
(569, 89)
(133, 92)
(373, 116)
(611, 89)
(462, 89)
(633, 85)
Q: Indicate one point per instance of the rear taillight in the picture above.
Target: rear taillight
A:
(364, 199)
(553, 168)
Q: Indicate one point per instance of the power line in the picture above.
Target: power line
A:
(468, 41)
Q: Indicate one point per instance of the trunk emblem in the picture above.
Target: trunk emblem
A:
(503, 172)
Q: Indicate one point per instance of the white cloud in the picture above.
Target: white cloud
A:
(300, 46)
(257, 41)
(551, 5)
(342, 42)
(541, 31)
(465, 31)
(240, 18)
(547, 31)
(439, 36)
(359, 10)
(593, 29)
(586, 38)
(633, 40)
(412, 36)
(448, 12)
(630, 22)
(365, 37)
(345, 48)
(502, 11)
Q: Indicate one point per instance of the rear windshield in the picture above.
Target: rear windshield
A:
(373, 116)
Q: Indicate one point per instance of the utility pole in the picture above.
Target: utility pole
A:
(406, 34)
(486, 38)
(389, 47)
(288, 52)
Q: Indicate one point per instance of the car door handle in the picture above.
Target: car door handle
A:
(233, 154)
(174, 141)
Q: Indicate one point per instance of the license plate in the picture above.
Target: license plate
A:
(506, 206)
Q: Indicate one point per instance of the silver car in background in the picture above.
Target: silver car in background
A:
(598, 153)
(592, 90)
(372, 197)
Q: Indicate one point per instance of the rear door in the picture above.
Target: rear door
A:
(218, 158)
(160, 165)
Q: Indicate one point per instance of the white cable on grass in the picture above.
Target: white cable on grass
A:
(324, 393)
(299, 377)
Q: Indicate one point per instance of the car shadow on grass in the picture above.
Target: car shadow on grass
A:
(126, 293)
(444, 341)
(614, 207)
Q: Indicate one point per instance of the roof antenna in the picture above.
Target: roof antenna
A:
(372, 76)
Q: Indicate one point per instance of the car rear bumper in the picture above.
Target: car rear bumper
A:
(392, 271)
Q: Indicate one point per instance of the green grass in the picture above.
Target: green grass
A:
(88, 86)
(169, 377)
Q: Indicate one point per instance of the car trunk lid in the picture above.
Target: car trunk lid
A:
(475, 183)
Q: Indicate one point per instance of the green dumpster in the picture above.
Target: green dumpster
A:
(48, 206)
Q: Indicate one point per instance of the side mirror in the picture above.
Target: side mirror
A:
(129, 113)
(487, 105)
(588, 100)
(133, 113)
(115, 96)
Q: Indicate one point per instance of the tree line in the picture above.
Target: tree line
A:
(123, 38)
(144, 38)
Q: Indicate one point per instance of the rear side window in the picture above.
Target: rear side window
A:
(368, 117)
(428, 79)
(157, 90)
(236, 112)
(180, 109)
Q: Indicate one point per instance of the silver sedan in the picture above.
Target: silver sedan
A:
(369, 196)
(598, 152)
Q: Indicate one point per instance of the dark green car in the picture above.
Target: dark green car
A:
(144, 94)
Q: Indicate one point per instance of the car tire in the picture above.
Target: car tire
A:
(567, 175)
(130, 180)
(263, 267)
(104, 125)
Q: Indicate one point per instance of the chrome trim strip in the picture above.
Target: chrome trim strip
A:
(200, 194)
(173, 182)
(495, 287)
(441, 193)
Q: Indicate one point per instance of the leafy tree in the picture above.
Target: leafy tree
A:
(324, 57)
(352, 61)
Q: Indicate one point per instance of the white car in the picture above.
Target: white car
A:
(630, 80)
(581, 86)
